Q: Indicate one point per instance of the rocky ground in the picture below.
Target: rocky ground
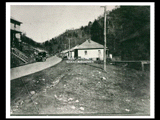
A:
(82, 89)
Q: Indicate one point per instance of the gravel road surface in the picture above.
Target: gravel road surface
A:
(34, 67)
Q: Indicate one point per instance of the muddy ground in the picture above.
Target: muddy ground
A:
(82, 89)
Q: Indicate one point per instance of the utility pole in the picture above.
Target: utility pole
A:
(104, 51)
(69, 48)
(65, 46)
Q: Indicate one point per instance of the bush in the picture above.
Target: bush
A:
(108, 60)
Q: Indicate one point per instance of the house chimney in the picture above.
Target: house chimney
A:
(89, 41)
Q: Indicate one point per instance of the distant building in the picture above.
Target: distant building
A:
(15, 32)
(69, 53)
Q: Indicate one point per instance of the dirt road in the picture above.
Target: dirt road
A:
(34, 67)
(82, 89)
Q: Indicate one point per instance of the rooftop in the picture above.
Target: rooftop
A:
(90, 44)
(13, 20)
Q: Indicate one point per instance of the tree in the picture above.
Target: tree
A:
(89, 23)
(97, 32)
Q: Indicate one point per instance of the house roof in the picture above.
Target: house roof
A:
(76, 47)
(65, 51)
(90, 44)
(70, 49)
(13, 20)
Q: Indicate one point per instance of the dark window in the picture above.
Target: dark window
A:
(99, 51)
(85, 52)
(14, 25)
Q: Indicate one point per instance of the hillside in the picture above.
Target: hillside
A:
(61, 42)
(57, 44)
(30, 41)
(121, 23)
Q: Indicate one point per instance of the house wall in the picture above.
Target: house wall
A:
(15, 34)
(72, 54)
(91, 53)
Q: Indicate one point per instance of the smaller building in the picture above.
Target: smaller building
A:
(64, 53)
(71, 52)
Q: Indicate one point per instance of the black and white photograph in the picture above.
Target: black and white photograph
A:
(80, 60)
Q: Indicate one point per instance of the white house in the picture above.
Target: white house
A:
(89, 50)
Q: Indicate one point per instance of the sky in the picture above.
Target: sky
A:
(43, 22)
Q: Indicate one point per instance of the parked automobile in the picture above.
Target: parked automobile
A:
(41, 56)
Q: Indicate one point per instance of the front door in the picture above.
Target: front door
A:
(76, 53)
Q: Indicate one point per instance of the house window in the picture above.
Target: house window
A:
(14, 25)
(85, 52)
(99, 52)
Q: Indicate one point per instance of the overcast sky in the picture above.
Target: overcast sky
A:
(43, 22)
